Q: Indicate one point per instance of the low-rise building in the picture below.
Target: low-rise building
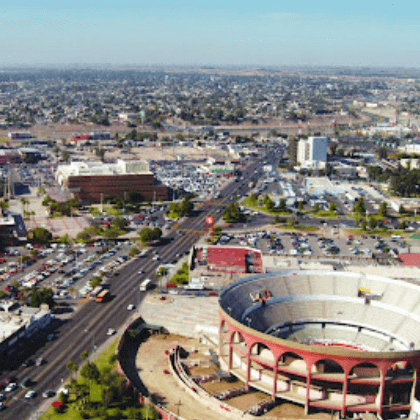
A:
(18, 326)
(7, 228)
(89, 181)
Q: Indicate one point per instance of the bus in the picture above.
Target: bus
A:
(95, 292)
(145, 285)
(103, 296)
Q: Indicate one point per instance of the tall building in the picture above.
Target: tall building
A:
(312, 151)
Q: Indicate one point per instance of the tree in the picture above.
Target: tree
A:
(282, 207)
(90, 372)
(268, 202)
(402, 210)
(65, 155)
(233, 214)
(402, 225)
(134, 251)
(359, 206)
(186, 207)
(333, 206)
(316, 207)
(383, 210)
(71, 367)
(84, 355)
(40, 236)
(40, 296)
(372, 222)
(148, 235)
(162, 272)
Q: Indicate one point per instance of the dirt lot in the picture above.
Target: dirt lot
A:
(288, 410)
(151, 362)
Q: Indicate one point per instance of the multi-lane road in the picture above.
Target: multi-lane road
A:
(88, 326)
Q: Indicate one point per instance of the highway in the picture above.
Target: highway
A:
(88, 326)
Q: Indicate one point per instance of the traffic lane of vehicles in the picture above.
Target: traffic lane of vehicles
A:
(66, 348)
(114, 312)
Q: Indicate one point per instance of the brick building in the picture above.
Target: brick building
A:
(89, 180)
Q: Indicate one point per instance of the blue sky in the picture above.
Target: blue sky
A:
(184, 32)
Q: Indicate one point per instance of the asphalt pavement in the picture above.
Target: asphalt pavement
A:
(87, 328)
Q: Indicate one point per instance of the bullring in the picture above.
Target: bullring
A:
(326, 340)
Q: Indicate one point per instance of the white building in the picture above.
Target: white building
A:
(92, 168)
(18, 324)
(312, 152)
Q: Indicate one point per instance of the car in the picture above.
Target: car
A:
(25, 383)
(48, 393)
(39, 361)
(110, 331)
(2, 397)
(2, 406)
(140, 272)
(12, 386)
(130, 307)
(30, 394)
(28, 362)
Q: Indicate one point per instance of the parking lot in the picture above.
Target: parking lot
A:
(317, 244)
(67, 271)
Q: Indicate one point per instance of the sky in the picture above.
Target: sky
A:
(219, 33)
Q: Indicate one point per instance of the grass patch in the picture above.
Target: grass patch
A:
(297, 227)
(94, 211)
(112, 211)
(324, 214)
(384, 232)
(250, 205)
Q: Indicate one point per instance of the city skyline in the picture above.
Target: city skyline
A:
(218, 33)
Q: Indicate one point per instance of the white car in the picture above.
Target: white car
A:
(30, 394)
(131, 307)
(141, 271)
(10, 387)
(110, 331)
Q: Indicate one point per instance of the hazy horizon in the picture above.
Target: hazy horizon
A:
(220, 34)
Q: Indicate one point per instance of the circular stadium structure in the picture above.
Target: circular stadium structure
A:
(327, 340)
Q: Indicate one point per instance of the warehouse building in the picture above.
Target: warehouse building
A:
(89, 181)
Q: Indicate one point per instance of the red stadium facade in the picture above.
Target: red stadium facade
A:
(298, 347)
